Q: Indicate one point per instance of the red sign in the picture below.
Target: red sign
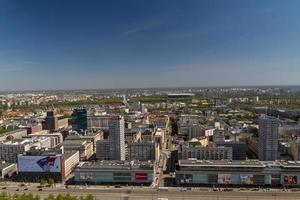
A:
(141, 176)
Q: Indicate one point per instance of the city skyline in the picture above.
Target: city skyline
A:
(53, 45)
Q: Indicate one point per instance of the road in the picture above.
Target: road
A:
(148, 194)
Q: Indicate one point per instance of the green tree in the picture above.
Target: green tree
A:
(43, 182)
(51, 182)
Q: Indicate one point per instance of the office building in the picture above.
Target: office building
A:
(97, 122)
(103, 149)
(51, 121)
(238, 149)
(79, 118)
(85, 148)
(141, 151)
(114, 147)
(268, 138)
(205, 153)
(117, 137)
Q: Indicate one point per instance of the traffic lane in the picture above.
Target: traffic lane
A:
(171, 196)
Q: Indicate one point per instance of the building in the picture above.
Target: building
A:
(34, 128)
(15, 134)
(9, 150)
(97, 122)
(85, 148)
(237, 173)
(117, 137)
(49, 164)
(268, 138)
(103, 149)
(89, 136)
(55, 138)
(141, 151)
(205, 153)
(62, 122)
(295, 149)
(7, 169)
(79, 118)
(114, 172)
(51, 121)
(202, 141)
(159, 137)
(114, 147)
(238, 149)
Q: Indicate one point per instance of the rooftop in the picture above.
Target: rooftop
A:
(4, 164)
(239, 163)
(114, 164)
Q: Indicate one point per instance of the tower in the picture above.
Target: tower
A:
(268, 138)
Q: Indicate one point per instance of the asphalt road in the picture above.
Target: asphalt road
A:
(148, 194)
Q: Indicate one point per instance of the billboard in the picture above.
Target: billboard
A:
(86, 176)
(290, 180)
(186, 178)
(246, 179)
(141, 176)
(39, 163)
(224, 178)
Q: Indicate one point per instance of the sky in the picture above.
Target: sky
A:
(91, 44)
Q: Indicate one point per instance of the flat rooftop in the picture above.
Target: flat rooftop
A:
(221, 163)
(116, 165)
(239, 163)
(3, 165)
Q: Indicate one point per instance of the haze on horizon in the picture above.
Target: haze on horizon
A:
(60, 44)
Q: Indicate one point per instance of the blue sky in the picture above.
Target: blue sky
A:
(70, 44)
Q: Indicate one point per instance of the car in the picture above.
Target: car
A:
(4, 188)
(25, 189)
(17, 190)
(40, 189)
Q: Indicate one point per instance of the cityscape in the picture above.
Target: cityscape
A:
(182, 139)
(153, 100)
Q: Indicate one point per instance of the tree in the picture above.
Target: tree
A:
(51, 182)
(89, 197)
(43, 182)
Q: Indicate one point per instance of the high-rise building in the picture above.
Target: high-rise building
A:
(51, 121)
(114, 147)
(116, 126)
(79, 117)
(268, 138)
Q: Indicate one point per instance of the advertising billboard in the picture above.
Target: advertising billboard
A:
(224, 178)
(186, 178)
(246, 179)
(39, 163)
(86, 176)
(290, 180)
(141, 176)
